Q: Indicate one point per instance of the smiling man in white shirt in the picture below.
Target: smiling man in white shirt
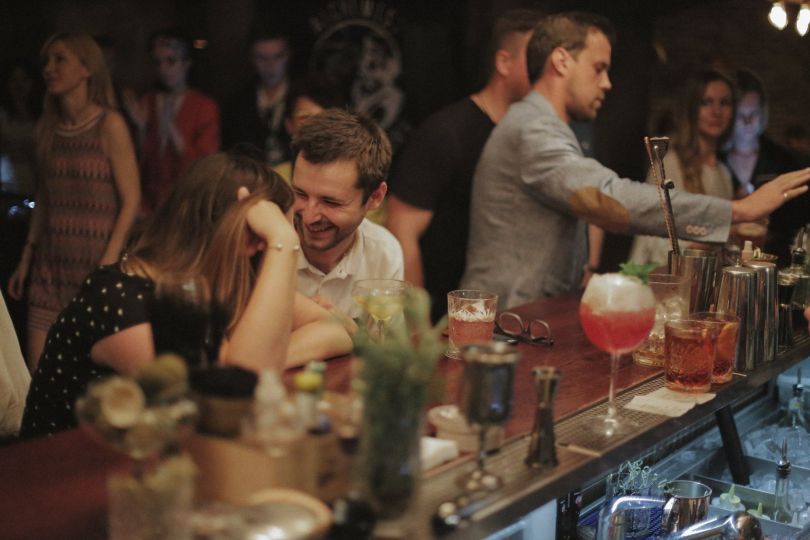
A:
(339, 171)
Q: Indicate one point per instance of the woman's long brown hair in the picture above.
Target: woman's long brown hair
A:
(686, 139)
(200, 231)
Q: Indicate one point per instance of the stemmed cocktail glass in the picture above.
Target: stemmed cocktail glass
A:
(380, 299)
(617, 313)
(486, 400)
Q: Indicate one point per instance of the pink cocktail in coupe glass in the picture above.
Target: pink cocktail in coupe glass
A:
(617, 313)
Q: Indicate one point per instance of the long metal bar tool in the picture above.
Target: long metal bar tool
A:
(656, 150)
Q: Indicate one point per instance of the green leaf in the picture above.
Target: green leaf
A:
(641, 271)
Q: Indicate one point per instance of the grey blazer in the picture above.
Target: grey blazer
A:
(533, 193)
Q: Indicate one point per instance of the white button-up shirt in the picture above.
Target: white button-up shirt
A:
(375, 254)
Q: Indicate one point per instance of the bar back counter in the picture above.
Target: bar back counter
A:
(584, 459)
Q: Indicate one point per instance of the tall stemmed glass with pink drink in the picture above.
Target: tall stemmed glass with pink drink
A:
(617, 312)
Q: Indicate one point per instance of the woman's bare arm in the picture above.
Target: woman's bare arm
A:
(120, 152)
(126, 351)
(261, 337)
(16, 284)
(318, 333)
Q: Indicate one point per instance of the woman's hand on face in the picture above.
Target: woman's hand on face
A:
(266, 220)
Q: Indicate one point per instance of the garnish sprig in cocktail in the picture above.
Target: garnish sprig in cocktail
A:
(641, 271)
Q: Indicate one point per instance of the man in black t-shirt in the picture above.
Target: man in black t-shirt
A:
(428, 210)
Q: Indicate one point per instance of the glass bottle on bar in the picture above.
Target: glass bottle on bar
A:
(794, 415)
(801, 290)
(781, 504)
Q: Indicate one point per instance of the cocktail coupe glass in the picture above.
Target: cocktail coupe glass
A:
(617, 313)
(380, 299)
(486, 399)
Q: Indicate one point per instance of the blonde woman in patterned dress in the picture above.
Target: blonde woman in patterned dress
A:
(88, 192)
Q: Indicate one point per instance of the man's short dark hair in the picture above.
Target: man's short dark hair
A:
(513, 21)
(320, 90)
(748, 81)
(268, 33)
(337, 135)
(568, 30)
(174, 38)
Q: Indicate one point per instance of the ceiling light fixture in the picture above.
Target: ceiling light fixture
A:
(778, 15)
(803, 20)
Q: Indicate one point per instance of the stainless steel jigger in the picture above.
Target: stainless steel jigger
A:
(542, 452)
(486, 399)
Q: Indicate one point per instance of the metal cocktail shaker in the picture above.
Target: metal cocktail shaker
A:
(737, 294)
(767, 310)
(699, 266)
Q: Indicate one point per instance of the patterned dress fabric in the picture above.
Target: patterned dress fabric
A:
(108, 302)
(82, 206)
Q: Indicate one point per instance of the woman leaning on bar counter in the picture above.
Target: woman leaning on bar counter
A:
(227, 213)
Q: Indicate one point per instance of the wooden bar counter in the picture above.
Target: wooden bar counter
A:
(585, 370)
(55, 487)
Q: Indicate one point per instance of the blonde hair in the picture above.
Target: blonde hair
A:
(99, 86)
(200, 231)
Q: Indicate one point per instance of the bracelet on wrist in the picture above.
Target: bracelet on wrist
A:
(280, 247)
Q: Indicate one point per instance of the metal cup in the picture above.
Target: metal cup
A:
(767, 310)
(699, 266)
(488, 384)
(737, 295)
(688, 504)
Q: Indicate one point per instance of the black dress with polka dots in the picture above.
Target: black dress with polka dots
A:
(109, 301)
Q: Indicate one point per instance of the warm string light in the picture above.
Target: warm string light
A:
(780, 17)
(803, 20)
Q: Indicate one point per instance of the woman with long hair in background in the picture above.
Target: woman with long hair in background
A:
(88, 190)
(703, 120)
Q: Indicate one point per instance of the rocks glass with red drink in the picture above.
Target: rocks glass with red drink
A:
(689, 354)
(617, 313)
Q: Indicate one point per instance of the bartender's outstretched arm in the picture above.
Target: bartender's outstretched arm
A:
(770, 196)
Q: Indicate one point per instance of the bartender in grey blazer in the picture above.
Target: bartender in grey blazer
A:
(534, 190)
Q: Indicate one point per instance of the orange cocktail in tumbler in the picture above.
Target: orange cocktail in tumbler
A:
(617, 313)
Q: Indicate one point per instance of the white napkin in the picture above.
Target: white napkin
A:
(437, 451)
(666, 402)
